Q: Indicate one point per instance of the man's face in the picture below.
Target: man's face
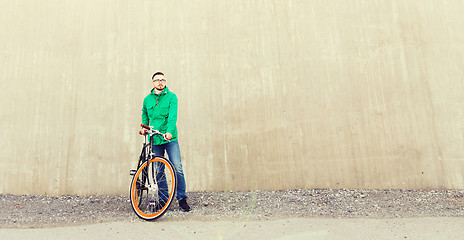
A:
(159, 82)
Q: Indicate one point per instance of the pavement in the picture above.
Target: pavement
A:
(282, 229)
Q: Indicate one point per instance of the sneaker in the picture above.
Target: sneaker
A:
(183, 205)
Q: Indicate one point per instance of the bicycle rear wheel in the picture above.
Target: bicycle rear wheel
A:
(153, 188)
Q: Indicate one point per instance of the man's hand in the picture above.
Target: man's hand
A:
(143, 131)
(168, 136)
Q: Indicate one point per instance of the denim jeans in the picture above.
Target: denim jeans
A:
(173, 151)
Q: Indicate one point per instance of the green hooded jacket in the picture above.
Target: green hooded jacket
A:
(160, 112)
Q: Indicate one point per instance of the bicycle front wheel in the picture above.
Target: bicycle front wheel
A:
(153, 188)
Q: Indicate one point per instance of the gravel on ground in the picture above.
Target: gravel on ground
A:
(37, 211)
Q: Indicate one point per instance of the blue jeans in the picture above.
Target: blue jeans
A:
(173, 150)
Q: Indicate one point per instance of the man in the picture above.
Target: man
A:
(160, 111)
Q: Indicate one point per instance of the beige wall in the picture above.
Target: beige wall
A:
(273, 94)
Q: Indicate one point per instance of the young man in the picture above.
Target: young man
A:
(160, 111)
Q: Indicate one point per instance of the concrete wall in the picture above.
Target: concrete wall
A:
(273, 94)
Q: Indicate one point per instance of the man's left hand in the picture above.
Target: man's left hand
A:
(168, 136)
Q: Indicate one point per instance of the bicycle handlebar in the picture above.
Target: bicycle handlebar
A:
(153, 132)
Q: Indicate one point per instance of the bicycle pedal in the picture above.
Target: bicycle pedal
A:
(132, 172)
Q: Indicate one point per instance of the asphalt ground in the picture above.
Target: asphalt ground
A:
(294, 228)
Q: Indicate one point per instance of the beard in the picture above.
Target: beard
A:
(160, 88)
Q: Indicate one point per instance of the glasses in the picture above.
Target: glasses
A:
(159, 80)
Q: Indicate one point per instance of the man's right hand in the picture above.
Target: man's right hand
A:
(143, 131)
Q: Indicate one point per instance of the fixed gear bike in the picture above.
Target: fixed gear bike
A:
(154, 182)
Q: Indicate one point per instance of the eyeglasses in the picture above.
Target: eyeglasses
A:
(159, 80)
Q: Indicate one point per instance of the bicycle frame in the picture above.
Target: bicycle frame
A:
(143, 155)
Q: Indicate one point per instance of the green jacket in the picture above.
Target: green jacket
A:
(160, 112)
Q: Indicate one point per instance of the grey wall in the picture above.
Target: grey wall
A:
(273, 94)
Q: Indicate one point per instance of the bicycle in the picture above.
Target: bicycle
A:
(154, 182)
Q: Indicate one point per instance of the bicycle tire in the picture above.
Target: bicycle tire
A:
(154, 183)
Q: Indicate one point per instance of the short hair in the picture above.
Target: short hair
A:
(157, 73)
